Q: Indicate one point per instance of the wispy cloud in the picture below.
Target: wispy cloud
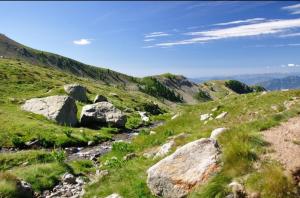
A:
(278, 45)
(150, 39)
(82, 42)
(257, 29)
(293, 9)
(291, 65)
(156, 34)
(254, 20)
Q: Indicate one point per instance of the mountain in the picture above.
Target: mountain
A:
(14, 50)
(290, 82)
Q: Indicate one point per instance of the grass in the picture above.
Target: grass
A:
(242, 145)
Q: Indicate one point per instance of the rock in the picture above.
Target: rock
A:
(69, 178)
(204, 117)
(129, 156)
(216, 132)
(25, 189)
(114, 195)
(189, 166)
(164, 149)
(264, 93)
(100, 98)
(90, 143)
(274, 107)
(222, 115)
(152, 133)
(237, 189)
(102, 113)
(79, 181)
(215, 109)
(144, 116)
(175, 116)
(254, 195)
(61, 109)
(113, 94)
(33, 144)
(102, 173)
(77, 92)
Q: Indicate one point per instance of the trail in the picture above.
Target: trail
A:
(285, 145)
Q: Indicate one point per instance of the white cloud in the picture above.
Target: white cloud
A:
(242, 21)
(263, 28)
(82, 42)
(293, 9)
(147, 40)
(290, 65)
(156, 34)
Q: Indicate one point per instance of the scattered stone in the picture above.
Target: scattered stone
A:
(288, 104)
(237, 189)
(175, 116)
(114, 195)
(68, 178)
(102, 113)
(113, 94)
(77, 92)
(144, 116)
(90, 143)
(216, 132)
(254, 195)
(222, 115)
(100, 98)
(129, 156)
(189, 166)
(101, 173)
(204, 117)
(61, 109)
(33, 144)
(214, 109)
(274, 107)
(164, 149)
(25, 189)
(152, 133)
(264, 93)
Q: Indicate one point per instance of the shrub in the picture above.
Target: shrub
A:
(58, 155)
(18, 142)
(202, 96)
(133, 122)
(238, 87)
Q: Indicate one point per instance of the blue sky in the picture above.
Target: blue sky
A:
(195, 39)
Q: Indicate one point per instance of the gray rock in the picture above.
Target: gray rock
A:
(102, 113)
(189, 166)
(69, 178)
(129, 156)
(77, 92)
(25, 189)
(164, 149)
(238, 190)
(100, 98)
(61, 109)
(222, 115)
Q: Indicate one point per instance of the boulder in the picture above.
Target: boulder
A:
(100, 98)
(216, 132)
(102, 113)
(77, 92)
(68, 178)
(25, 189)
(189, 166)
(61, 109)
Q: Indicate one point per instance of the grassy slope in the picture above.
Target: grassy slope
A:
(20, 81)
(242, 145)
(216, 89)
(14, 50)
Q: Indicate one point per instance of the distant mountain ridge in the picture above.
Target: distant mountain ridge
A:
(290, 82)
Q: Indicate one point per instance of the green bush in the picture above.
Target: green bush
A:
(238, 87)
(133, 122)
(202, 96)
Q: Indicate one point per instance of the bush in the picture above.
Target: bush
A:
(150, 107)
(18, 142)
(133, 122)
(238, 87)
(202, 96)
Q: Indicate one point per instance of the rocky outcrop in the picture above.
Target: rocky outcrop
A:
(61, 109)
(144, 116)
(189, 166)
(77, 92)
(102, 113)
(100, 98)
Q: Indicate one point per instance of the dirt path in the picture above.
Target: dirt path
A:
(285, 143)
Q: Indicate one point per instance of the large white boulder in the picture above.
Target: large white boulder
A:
(102, 113)
(77, 92)
(61, 109)
(189, 166)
